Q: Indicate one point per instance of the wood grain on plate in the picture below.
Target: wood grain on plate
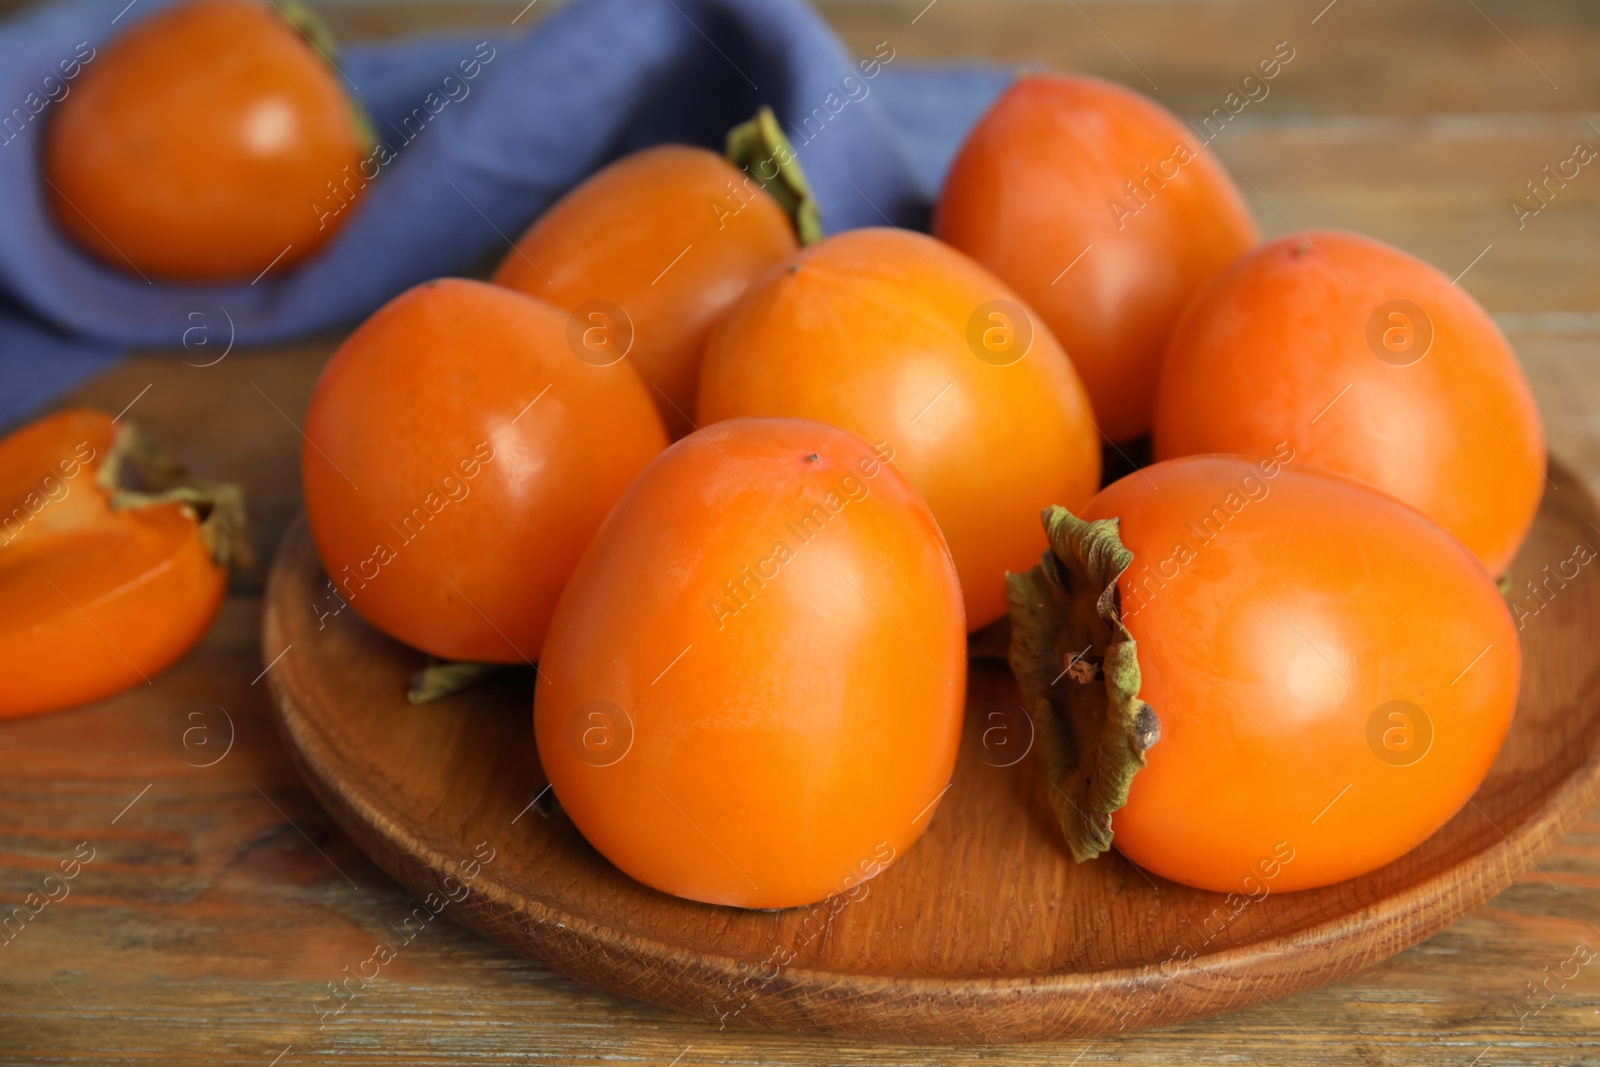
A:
(985, 932)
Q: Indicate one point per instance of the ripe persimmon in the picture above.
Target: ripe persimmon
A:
(1332, 673)
(198, 145)
(648, 254)
(1371, 363)
(904, 340)
(102, 584)
(752, 689)
(1107, 214)
(458, 455)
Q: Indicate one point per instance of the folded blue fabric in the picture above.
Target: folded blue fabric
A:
(594, 80)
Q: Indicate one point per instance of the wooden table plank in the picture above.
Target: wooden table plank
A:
(220, 905)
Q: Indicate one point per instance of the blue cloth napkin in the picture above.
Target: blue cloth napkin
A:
(545, 108)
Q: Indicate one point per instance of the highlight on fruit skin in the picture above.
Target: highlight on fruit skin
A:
(458, 456)
(197, 145)
(1107, 214)
(1377, 366)
(904, 340)
(774, 716)
(1332, 673)
(113, 561)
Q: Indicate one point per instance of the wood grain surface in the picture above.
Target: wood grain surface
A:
(222, 902)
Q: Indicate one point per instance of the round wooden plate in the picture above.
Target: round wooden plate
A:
(985, 931)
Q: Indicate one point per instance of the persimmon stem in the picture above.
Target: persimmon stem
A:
(1078, 668)
(442, 678)
(138, 473)
(760, 149)
(316, 32)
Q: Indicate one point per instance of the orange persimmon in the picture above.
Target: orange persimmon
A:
(1314, 676)
(1107, 214)
(101, 587)
(756, 674)
(1370, 363)
(648, 254)
(197, 146)
(904, 340)
(458, 456)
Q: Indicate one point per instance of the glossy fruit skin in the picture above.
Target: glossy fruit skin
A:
(458, 457)
(1268, 650)
(1045, 175)
(92, 600)
(786, 720)
(672, 235)
(197, 145)
(869, 330)
(1277, 349)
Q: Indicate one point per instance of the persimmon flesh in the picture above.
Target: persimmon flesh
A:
(94, 598)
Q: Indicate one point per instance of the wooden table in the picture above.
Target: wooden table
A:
(221, 902)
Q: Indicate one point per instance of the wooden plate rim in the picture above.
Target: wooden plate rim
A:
(1408, 916)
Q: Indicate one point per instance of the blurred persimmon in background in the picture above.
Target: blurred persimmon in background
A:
(200, 144)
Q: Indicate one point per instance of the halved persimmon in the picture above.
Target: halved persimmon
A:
(101, 586)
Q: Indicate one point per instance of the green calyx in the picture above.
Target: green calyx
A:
(310, 26)
(1078, 669)
(442, 678)
(138, 473)
(760, 149)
